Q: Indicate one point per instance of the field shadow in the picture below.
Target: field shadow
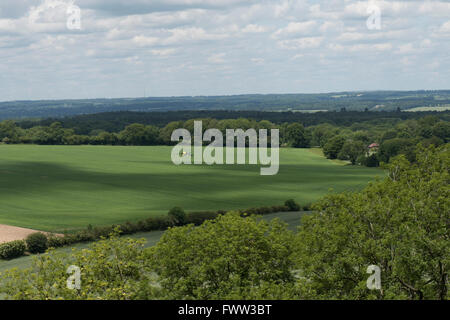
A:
(16, 177)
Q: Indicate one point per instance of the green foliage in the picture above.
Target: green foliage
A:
(139, 135)
(368, 161)
(442, 130)
(400, 224)
(223, 258)
(333, 147)
(351, 150)
(177, 215)
(292, 205)
(11, 250)
(36, 242)
(111, 269)
(394, 147)
(296, 136)
(197, 218)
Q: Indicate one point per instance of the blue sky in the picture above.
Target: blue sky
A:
(219, 47)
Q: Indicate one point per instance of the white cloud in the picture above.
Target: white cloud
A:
(301, 43)
(121, 41)
(217, 58)
(296, 28)
(163, 52)
(258, 60)
(445, 28)
(254, 28)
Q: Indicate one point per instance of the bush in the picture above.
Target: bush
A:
(56, 242)
(129, 228)
(11, 250)
(37, 243)
(158, 223)
(177, 216)
(197, 218)
(292, 205)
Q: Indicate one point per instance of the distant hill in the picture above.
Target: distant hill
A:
(117, 121)
(351, 101)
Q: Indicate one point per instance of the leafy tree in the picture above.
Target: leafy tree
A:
(333, 147)
(351, 150)
(292, 205)
(177, 216)
(225, 258)
(322, 133)
(296, 136)
(166, 132)
(9, 129)
(139, 135)
(389, 134)
(36, 242)
(393, 147)
(399, 224)
(442, 130)
(370, 161)
(111, 269)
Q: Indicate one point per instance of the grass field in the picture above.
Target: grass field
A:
(291, 218)
(53, 188)
(423, 109)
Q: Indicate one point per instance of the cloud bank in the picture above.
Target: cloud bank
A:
(213, 47)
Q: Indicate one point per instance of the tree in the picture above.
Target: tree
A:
(112, 269)
(296, 136)
(351, 150)
(36, 242)
(139, 135)
(177, 216)
(333, 147)
(166, 132)
(389, 134)
(229, 257)
(391, 148)
(400, 225)
(322, 133)
(442, 130)
(292, 205)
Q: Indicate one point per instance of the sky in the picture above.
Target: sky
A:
(76, 49)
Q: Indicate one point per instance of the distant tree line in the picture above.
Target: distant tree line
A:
(117, 121)
(350, 142)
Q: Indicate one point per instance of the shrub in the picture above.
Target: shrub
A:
(177, 216)
(158, 223)
(129, 228)
(279, 209)
(197, 218)
(56, 242)
(292, 205)
(36, 242)
(11, 250)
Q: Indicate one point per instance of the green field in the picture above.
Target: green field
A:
(424, 109)
(53, 188)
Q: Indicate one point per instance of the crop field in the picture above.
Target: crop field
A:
(56, 188)
(423, 109)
